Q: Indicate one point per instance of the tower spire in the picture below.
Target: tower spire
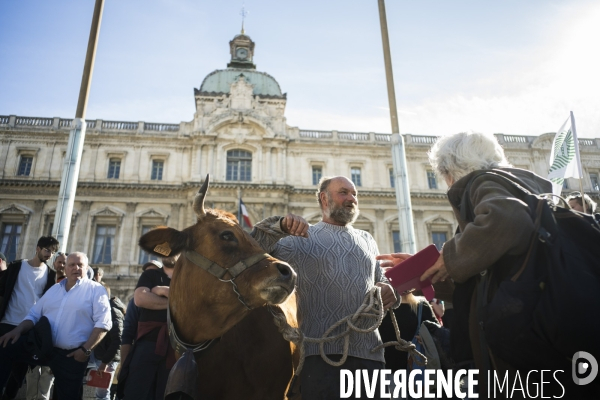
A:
(244, 14)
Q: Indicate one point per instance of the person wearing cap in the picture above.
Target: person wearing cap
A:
(151, 356)
(21, 286)
(132, 316)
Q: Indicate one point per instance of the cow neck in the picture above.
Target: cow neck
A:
(180, 346)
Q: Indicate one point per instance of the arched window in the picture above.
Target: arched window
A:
(239, 165)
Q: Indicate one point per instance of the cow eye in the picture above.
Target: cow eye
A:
(228, 236)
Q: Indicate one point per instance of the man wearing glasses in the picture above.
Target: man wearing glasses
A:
(21, 286)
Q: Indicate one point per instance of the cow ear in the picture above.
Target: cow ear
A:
(163, 241)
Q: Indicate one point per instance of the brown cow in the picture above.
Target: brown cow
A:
(212, 296)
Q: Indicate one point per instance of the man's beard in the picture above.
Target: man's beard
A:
(342, 215)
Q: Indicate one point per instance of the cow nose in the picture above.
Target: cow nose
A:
(285, 270)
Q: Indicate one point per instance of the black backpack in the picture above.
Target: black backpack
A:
(547, 308)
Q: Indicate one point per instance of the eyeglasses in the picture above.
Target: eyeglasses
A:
(60, 253)
(48, 250)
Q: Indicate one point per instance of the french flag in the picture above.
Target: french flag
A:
(244, 214)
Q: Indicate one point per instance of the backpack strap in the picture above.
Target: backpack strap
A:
(419, 315)
(466, 207)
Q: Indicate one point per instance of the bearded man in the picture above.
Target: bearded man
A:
(336, 268)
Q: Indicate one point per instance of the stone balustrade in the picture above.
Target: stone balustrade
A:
(18, 122)
(316, 134)
(120, 125)
(33, 121)
(151, 126)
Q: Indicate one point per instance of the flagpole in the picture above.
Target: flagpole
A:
(72, 162)
(239, 193)
(401, 185)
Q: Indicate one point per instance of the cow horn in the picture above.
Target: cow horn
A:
(199, 199)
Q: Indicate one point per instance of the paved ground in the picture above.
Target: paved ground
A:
(88, 393)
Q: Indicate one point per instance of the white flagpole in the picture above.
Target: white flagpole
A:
(578, 161)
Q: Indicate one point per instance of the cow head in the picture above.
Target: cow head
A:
(203, 306)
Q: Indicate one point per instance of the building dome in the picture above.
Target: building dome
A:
(219, 82)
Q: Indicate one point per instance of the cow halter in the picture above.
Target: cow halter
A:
(219, 272)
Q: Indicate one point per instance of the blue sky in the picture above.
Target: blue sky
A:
(516, 67)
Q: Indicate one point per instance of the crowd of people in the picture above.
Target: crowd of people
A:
(57, 321)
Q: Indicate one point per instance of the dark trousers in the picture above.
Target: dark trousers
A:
(321, 381)
(18, 372)
(148, 373)
(68, 372)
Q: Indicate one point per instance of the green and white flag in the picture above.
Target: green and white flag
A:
(564, 155)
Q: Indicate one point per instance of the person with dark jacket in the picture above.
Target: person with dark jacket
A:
(106, 356)
(21, 286)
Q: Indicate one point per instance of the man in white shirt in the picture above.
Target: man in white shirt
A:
(79, 315)
(21, 286)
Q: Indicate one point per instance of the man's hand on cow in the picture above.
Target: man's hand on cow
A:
(294, 225)
(162, 291)
(389, 260)
(437, 272)
(388, 297)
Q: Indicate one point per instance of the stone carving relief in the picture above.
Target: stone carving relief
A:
(13, 209)
(241, 94)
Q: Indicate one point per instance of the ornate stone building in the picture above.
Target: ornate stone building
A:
(136, 175)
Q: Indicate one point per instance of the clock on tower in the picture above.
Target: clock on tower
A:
(242, 51)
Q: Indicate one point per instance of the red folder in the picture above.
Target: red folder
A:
(405, 276)
(95, 380)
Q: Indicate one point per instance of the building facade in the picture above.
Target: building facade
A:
(137, 175)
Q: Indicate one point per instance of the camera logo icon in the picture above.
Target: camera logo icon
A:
(585, 368)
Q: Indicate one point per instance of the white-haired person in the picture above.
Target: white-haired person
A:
(498, 235)
(78, 314)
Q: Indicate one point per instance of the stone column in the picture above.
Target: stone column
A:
(380, 230)
(284, 165)
(81, 233)
(135, 174)
(4, 148)
(128, 236)
(93, 163)
(421, 234)
(260, 175)
(35, 226)
(174, 220)
(196, 162)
